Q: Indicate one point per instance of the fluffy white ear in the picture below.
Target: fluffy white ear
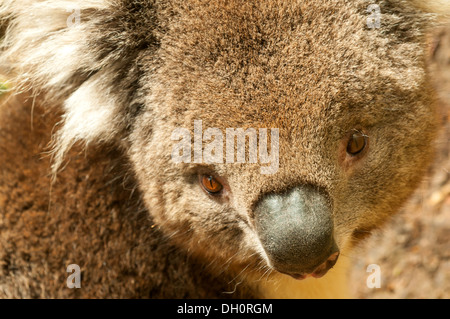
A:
(44, 39)
(91, 113)
(46, 43)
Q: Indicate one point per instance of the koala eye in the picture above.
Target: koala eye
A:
(357, 143)
(210, 184)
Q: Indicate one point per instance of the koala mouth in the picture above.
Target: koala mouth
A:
(319, 272)
(296, 231)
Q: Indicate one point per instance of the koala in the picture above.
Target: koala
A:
(206, 149)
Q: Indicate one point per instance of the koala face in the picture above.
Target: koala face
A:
(337, 116)
(353, 113)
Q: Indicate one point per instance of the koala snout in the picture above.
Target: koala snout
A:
(296, 231)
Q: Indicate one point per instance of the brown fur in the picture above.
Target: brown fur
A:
(94, 219)
(138, 224)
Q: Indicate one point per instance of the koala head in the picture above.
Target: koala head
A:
(353, 112)
(263, 134)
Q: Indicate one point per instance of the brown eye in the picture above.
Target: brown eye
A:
(211, 185)
(357, 143)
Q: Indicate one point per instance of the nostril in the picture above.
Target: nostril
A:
(327, 265)
(295, 229)
(318, 272)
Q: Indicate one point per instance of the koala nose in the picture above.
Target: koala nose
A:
(296, 231)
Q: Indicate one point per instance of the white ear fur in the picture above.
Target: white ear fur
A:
(43, 45)
(90, 114)
(44, 40)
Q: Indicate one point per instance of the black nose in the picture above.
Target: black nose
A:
(296, 231)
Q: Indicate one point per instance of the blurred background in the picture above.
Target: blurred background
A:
(413, 251)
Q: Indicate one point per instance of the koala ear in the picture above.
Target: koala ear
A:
(47, 48)
(91, 113)
(81, 59)
(45, 43)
